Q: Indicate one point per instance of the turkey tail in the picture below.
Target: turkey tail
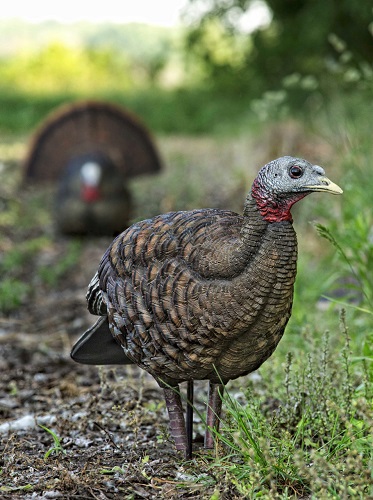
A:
(97, 346)
(86, 127)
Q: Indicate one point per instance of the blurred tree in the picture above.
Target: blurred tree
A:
(297, 39)
(106, 56)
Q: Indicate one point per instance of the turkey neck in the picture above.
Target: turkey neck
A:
(257, 230)
(274, 243)
(261, 295)
(253, 227)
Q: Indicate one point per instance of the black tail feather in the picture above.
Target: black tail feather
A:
(97, 346)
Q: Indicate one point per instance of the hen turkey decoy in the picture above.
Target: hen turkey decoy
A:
(204, 294)
(90, 199)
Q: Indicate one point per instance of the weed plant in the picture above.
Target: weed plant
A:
(57, 447)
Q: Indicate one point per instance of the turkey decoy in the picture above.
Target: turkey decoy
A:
(90, 132)
(203, 294)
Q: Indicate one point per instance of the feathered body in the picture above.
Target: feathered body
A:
(183, 307)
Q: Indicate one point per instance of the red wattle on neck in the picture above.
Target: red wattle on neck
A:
(274, 209)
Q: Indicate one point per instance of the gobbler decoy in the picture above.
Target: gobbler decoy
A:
(93, 198)
(204, 294)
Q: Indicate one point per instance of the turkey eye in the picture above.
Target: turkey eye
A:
(295, 172)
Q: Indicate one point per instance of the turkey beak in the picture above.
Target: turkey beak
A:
(326, 185)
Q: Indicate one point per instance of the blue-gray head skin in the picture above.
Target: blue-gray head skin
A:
(283, 182)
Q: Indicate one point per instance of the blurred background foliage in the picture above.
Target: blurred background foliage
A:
(228, 58)
(297, 36)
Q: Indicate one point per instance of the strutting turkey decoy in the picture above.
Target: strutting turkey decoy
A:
(201, 295)
(91, 199)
